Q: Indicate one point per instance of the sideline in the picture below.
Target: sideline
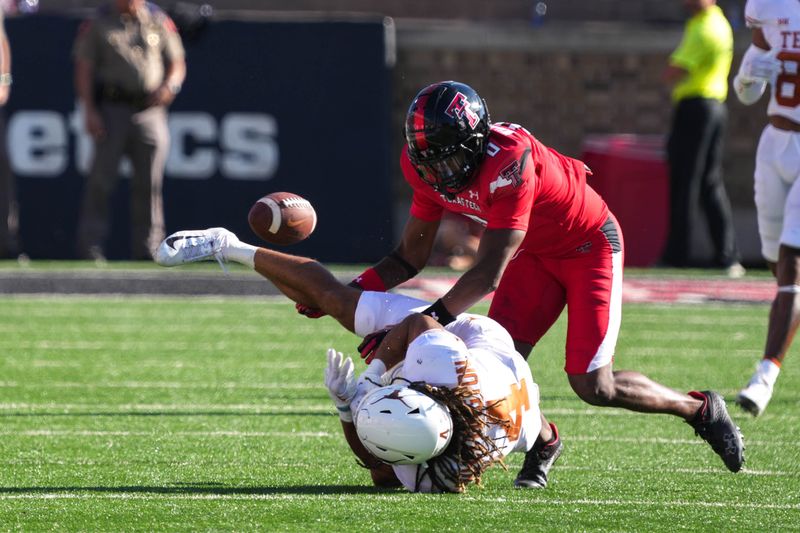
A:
(174, 283)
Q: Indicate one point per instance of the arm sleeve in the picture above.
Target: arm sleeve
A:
(748, 90)
(377, 310)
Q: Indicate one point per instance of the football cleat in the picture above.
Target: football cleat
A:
(713, 423)
(538, 461)
(194, 245)
(755, 396)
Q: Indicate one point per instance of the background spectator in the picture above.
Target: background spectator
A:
(699, 69)
(129, 65)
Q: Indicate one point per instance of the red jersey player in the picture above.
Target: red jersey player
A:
(550, 242)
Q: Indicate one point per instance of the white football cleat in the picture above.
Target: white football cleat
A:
(195, 245)
(755, 396)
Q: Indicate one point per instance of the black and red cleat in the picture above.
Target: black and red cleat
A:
(713, 423)
(538, 461)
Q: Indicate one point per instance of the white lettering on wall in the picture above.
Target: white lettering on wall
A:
(192, 154)
(250, 151)
(241, 146)
(39, 143)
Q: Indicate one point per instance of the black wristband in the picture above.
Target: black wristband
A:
(439, 312)
(409, 268)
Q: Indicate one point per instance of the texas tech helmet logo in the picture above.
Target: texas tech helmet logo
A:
(459, 109)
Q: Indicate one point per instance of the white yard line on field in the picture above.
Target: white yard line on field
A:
(228, 385)
(244, 409)
(340, 496)
(322, 434)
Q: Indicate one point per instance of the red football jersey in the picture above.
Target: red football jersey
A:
(521, 184)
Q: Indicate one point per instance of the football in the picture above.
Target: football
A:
(282, 218)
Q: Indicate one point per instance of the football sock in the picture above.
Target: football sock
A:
(242, 253)
(769, 370)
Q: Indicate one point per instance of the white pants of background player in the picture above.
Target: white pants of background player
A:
(500, 374)
(777, 192)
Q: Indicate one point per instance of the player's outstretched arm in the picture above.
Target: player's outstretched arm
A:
(302, 279)
(308, 282)
(402, 264)
(496, 250)
(405, 261)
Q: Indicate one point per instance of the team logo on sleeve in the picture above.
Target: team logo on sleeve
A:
(459, 109)
(510, 175)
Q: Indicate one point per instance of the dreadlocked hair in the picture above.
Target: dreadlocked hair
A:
(470, 451)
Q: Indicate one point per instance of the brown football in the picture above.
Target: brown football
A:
(282, 218)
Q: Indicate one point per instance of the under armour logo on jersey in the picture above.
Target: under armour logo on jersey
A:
(474, 194)
(459, 108)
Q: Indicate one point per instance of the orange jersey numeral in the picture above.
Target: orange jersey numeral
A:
(512, 407)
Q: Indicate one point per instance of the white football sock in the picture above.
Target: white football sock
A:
(241, 253)
(769, 371)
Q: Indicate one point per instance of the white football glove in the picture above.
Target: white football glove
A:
(761, 67)
(340, 379)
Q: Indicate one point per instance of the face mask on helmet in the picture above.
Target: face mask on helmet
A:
(445, 130)
(448, 170)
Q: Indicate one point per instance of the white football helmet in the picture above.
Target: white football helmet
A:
(399, 425)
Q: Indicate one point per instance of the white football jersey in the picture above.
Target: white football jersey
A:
(490, 366)
(780, 22)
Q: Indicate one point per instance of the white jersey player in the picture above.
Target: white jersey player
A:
(773, 59)
(454, 401)
(474, 352)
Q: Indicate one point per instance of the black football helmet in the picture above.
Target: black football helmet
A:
(446, 130)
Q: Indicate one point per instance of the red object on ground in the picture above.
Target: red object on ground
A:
(630, 172)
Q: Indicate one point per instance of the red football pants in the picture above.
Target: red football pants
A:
(534, 290)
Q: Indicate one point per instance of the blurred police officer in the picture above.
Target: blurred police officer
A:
(129, 65)
(8, 204)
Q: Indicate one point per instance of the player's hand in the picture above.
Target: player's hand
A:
(371, 342)
(764, 67)
(340, 380)
(309, 312)
(161, 96)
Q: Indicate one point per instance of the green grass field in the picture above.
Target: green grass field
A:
(186, 414)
